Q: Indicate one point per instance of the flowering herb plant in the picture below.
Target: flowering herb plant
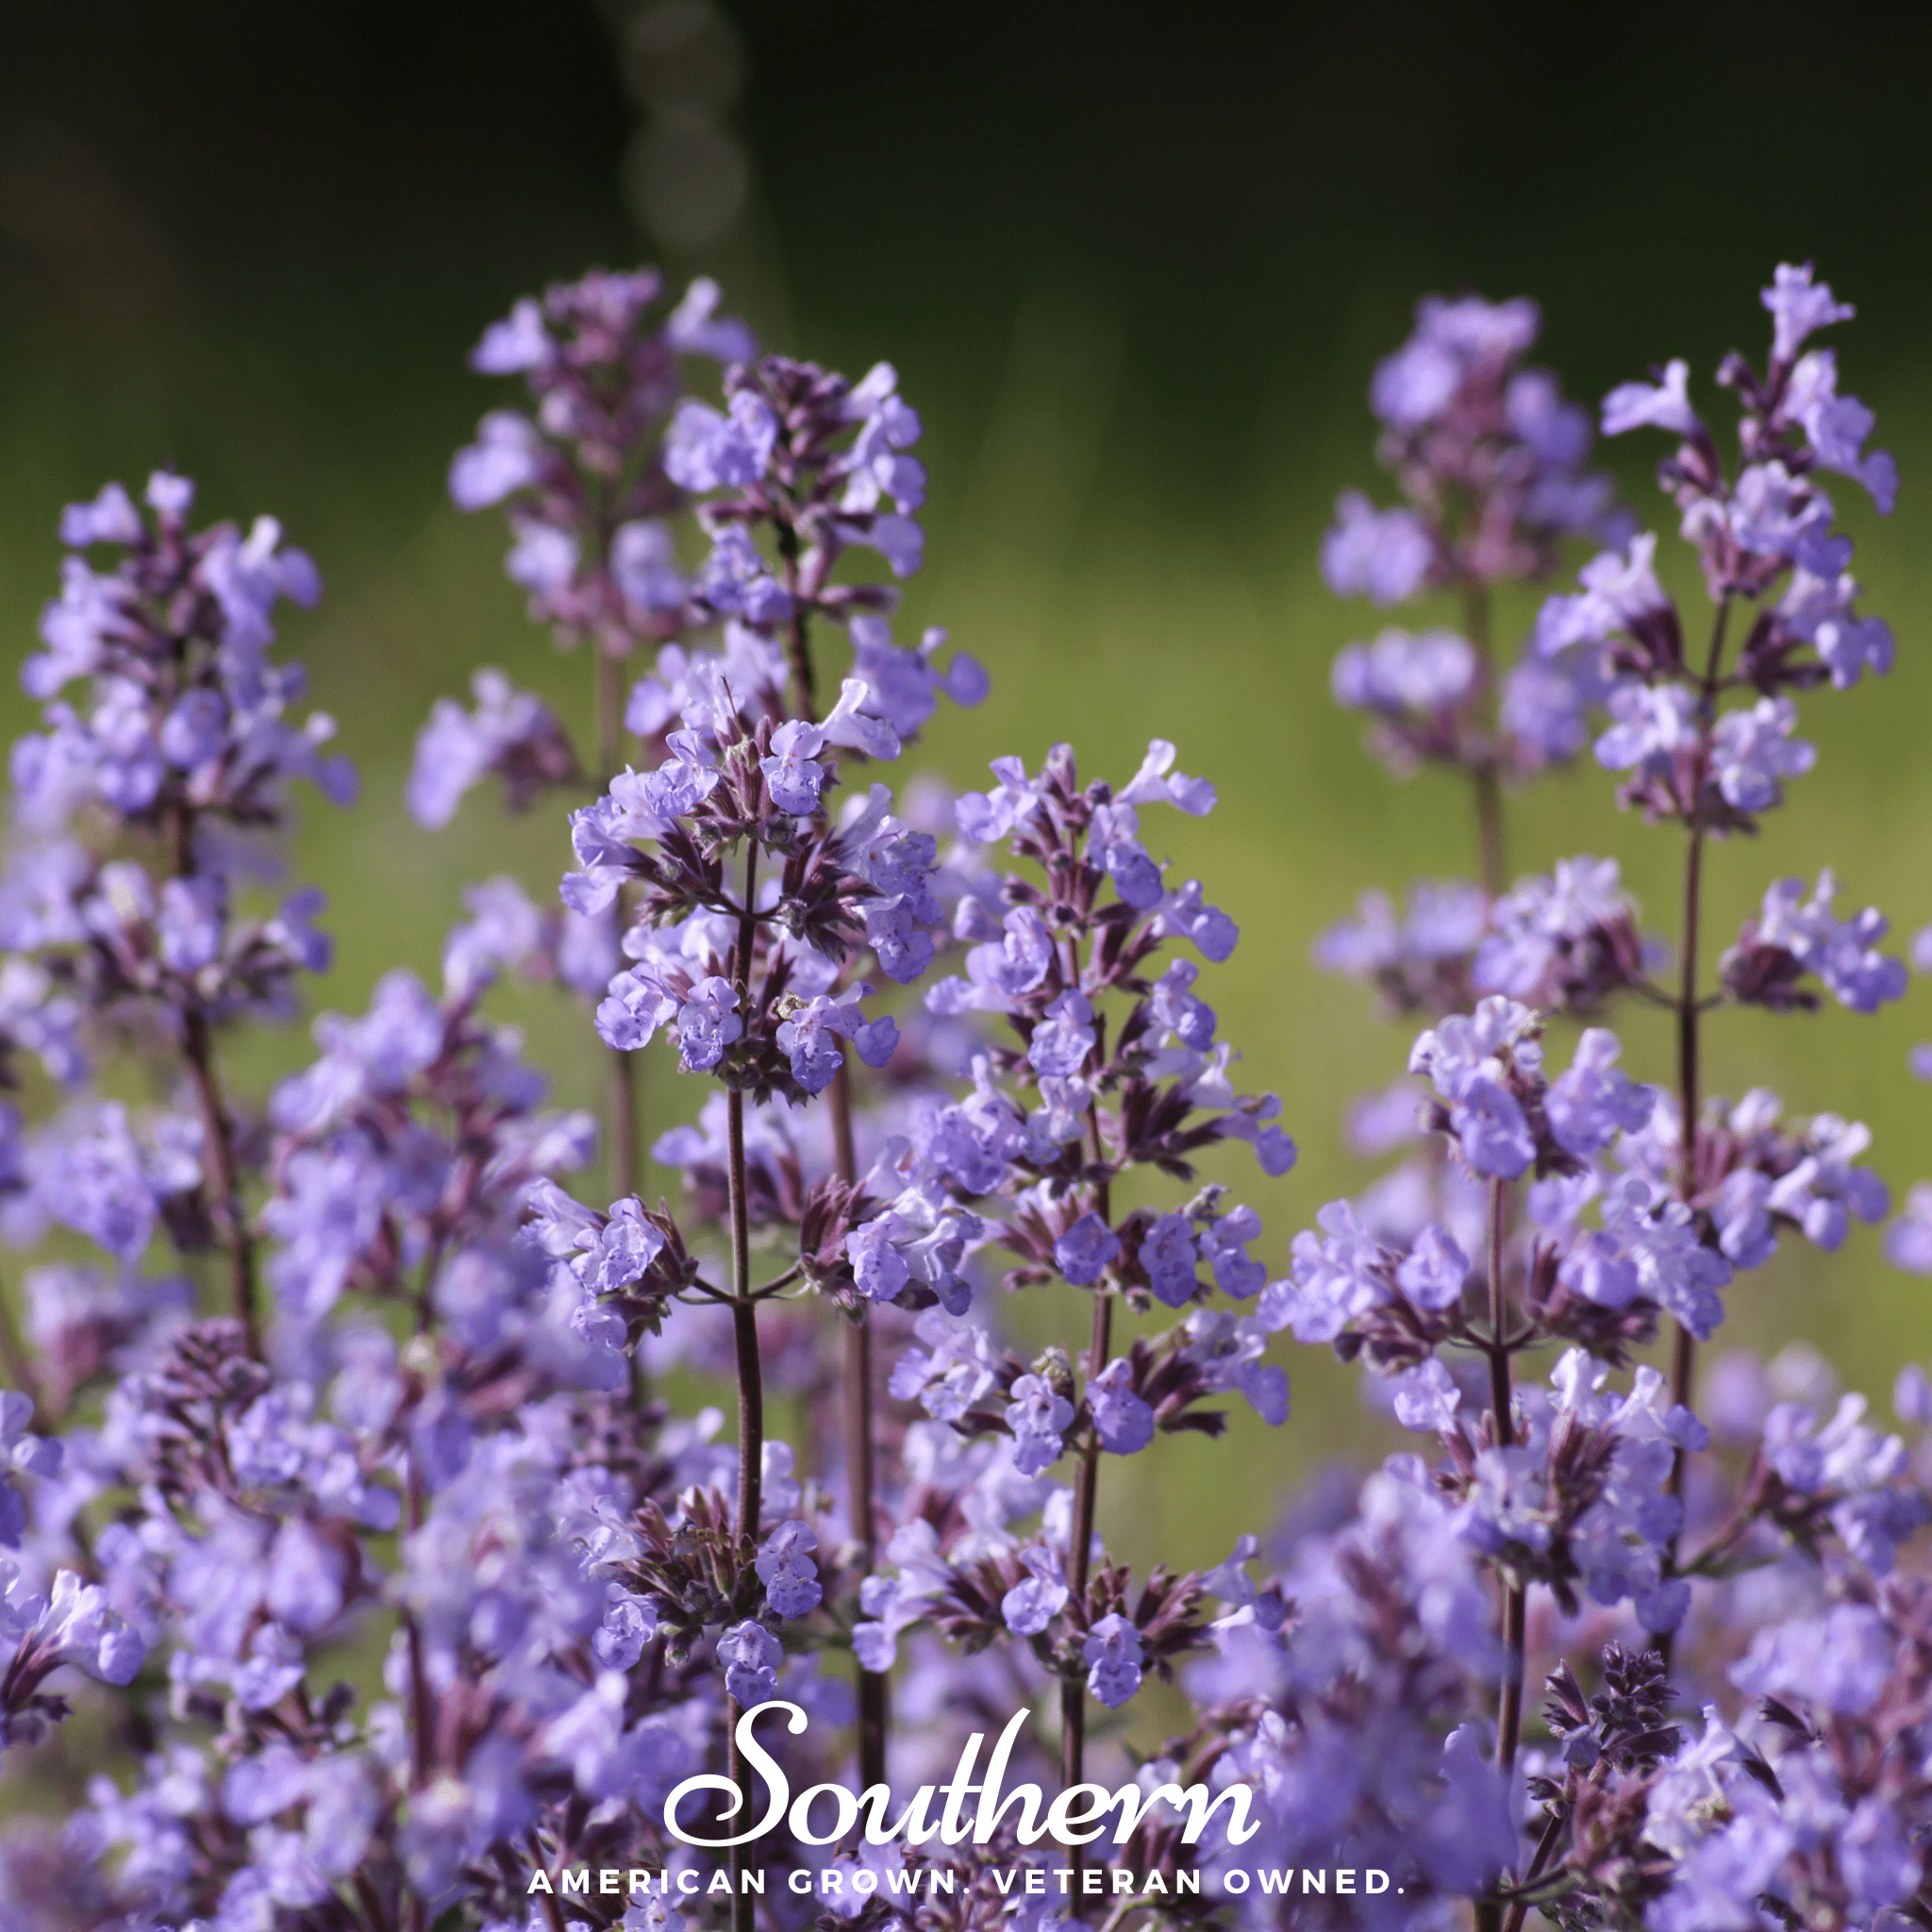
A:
(368, 1565)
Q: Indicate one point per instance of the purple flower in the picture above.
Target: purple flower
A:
(1086, 1248)
(1030, 1605)
(1620, 592)
(705, 450)
(1843, 952)
(1182, 915)
(1908, 1239)
(1653, 406)
(898, 539)
(786, 1568)
(1157, 783)
(707, 1022)
(807, 1031)
(1674, 1268)
(515, 345)
(1426, 1398)
(1489, 1123)
(1654, 723)
(1038, 1419)
(1111, 843)
(905, 683)
(1121, 1418)
(1175, 1008)
(1799, 308)
(1752, 752)
(1064, 1038)
(1168, 1256)
(1223, 1245)
(1400, 673)
(986, 817)
(878, 1266)
(1590, 1105)
(792, 771)
(1822, 1190)
(751, 1657)
(1840, 1660)
(735, 578)
(1817, 610)
(1112, 1652)
(1836, 426)
(506, 456)
(510, 732)
(111, 517)
(1432, 1273)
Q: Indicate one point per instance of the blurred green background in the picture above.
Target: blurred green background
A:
(1134, 265)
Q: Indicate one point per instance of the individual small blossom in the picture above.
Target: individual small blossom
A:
(1030, 1605)
(1228, 1350)
(951, 1373)
(652, 1914)
(1176, 1008)
(805, 1035)
(905, 683)
(1113, 1653)
(1799, 308)
(1121, 1418)
(20, 1454)
(1111, 842)
(1655, 725)
(1182, 914)
(1223, 1245)
(1908, 1239)
(1157, 782)
(510, 733)
(1843, 952)
(1593, 1103)
(1433, 1273)
(1816, 608)
(1421, 961)
(1086, 1249)
(1836, 426)
(1399, 673)
(1664, 404)
(1418, 381)
(1621, 593)
(1064, 1038)
(1426, 1398)
(751, 1657)
(1752, 752)
(878, 1266)
(1568, 938)
(1168, 1256)
(986, 817)
(506, 457)
(630, 1621)
(786, 1568)
(1463, 1057)
(1039, 1419)
(707, 1022)
(1544, 706)
(1674, 1268)
(1339, 1276)
(792, 771)
(1823, 1190)
(705, 450)
(1382, 555)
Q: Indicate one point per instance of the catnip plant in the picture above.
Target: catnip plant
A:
(400, 1525)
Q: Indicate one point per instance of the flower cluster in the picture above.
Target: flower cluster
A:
(508, 1439)
(1738, 1546)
